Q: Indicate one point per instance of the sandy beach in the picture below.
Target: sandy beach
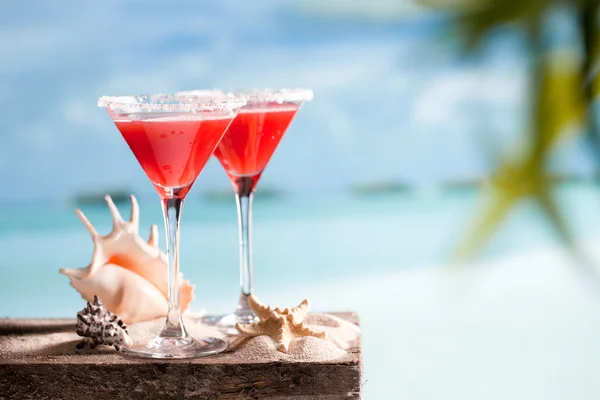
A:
(519, 327)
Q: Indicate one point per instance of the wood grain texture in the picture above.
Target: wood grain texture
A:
(34, 366)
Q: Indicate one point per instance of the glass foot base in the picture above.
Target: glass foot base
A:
(226, 323)
(188, 347)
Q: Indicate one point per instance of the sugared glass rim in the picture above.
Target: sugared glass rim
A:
(295, 95)
(209, 101)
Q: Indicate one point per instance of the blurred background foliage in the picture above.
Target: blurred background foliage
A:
(564, 84)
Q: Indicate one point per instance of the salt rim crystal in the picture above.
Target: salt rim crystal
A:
(211, 101)
(280, 96)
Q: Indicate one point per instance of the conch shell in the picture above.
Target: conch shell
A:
(126, 272)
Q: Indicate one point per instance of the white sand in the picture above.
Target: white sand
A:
(340, 336)
(340, 332)
(305, 349)
(525, 327)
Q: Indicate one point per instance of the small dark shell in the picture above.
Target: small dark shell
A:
(98, 326)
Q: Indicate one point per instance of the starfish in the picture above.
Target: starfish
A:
(281, 325)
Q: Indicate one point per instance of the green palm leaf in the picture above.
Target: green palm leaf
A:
(558, 105)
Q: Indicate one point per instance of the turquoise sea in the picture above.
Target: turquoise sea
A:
(299, 239)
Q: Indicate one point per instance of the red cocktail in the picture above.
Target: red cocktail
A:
(172, 150)
(172, 140)
(252, 138)
(244, 152)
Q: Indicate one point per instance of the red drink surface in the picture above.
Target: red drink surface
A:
(252, 138)
(172, 150)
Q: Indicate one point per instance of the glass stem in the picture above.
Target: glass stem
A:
(244, 207)
(172, 208)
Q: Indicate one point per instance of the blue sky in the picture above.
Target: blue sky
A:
(392, 98)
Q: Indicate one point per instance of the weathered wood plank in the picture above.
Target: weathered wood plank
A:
(61, 372)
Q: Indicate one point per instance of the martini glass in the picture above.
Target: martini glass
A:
(172, 139)
(244, 152)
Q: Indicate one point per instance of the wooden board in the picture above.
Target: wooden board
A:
(31, 368)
